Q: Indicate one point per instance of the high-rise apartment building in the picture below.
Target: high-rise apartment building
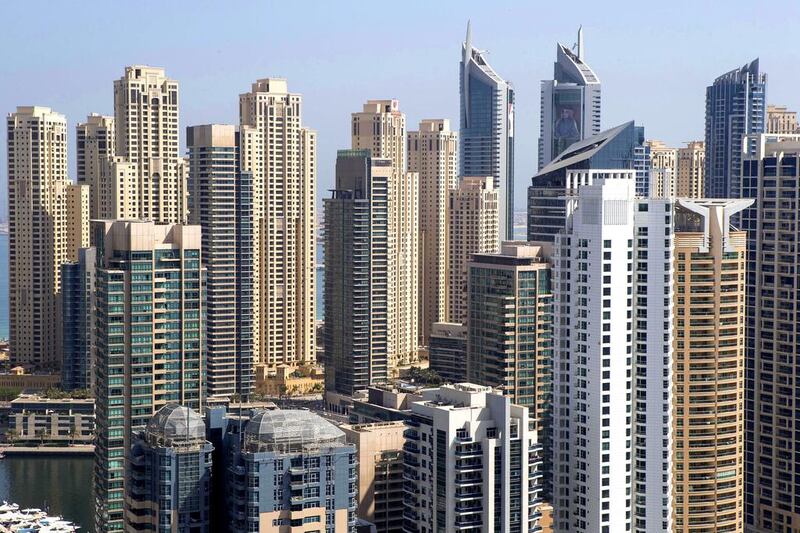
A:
(381, 128)
(290, 470)
(146, 134)
(473, 217)
(661, 155)
(149, 343)
(614, 148)
(77, 320)
(221, 203)
(709, 323)
(281, 155)
(170, 485)
(486, 133)
(358, 252)
(379, 455)
(735, 107)
(781, 120)
(689, 176)
(433, 155)
(663, 164)
(77, 230)
(38, 243)
(570, 103)
(510, 329)
(770, 176)
(96, 144)
(472, 463)
(447, 351)
(612, 368)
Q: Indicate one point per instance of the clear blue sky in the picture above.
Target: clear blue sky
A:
(654, 59)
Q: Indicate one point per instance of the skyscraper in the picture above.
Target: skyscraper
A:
(96, 143)
(149, 330)
(379, 455)
(77, 228)
(570, 103)
(433, 155)
(689, 177)
(281, 155)
(146, 124)
(218, 196)
(510, 329)
(291, 469)
(735, 107)
(38, 244)
(612, 368)
(781, 120)
(709, 322)
(77, 320)
(173, 444)
(770, 176)
(358, 248)
(381, 128)
(483, 463)
(472, 228)
(614, 148)
(486, 129)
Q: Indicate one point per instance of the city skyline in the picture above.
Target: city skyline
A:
(319, 58)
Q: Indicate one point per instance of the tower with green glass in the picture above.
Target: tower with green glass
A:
(149, 352)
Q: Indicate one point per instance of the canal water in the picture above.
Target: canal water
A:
(62, 484)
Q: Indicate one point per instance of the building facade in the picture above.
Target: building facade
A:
(615, 148)
(447, 351)
(690, 175)
(381, 128)
(735, 107)
(510, 330)
(472, 463)
(60, 422)
(433, 155)
(149, 342)
(77, 219)
(293, 471)
(473, 227)
(709, 324)
(570, 103)
(612, 368)
(358, 271)
(781, 120)
(38, 229)
(170, 478)
(96, 144)
(486, 131)
(281, 155)
(78, 301)
(146, 124)
(220, 202)
(770, 177)
(379, 453)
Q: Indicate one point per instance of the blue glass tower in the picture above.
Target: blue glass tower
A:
(487, 129)
(618, 148)
(735, 107)
(77, 305)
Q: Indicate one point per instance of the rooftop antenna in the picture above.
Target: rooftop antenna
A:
(580, 42)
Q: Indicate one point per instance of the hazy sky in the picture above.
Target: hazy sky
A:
(653, 58)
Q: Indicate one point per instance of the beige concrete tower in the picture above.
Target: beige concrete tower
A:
(77, 219)
(689, 181)
(281, 155)
(381, 128)
(780, 120)
(433, 155)
(473, 227)
(709, 321)
(117, 190)
(37, 190)
(661, 155)
(146, 121)
(96, 143)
